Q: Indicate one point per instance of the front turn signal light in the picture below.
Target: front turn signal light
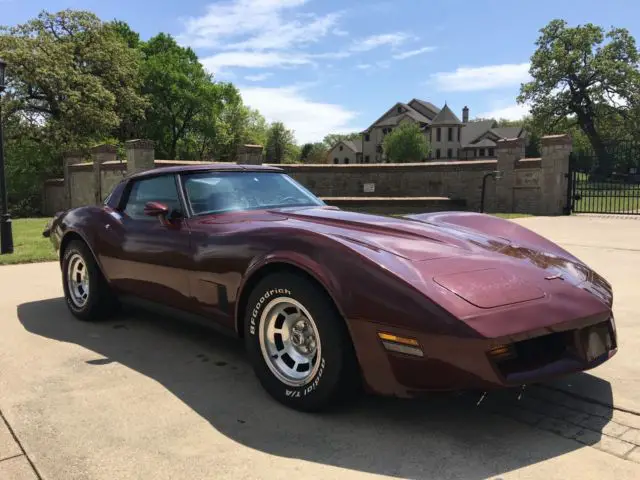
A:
(501, 352)
(398, 344)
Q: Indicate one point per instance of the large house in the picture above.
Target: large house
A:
(449, 137)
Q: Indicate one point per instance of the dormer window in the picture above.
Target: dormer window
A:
(341, 147)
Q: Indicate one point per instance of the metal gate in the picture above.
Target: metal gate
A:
(608, 185)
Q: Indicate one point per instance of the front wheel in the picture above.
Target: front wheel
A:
(86, 290)
(299, 344)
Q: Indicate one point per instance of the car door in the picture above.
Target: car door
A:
(149, 256)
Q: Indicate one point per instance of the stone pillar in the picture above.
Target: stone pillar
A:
(508, 152)
(556, 150)
(99, 155)
(250, 155)
(70, 158)
(140, 155)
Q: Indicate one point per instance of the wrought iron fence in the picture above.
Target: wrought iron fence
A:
(608, 183)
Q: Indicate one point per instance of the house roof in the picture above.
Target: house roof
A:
(355, 146)
(507, 132)
(446, 117)
(410, 111)
(425, 105)
(472, 130)
(485, 142)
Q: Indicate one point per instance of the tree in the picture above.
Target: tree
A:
(314, 153)
(71, 74)
(331, 139)
(280, 144)
(586, 76)
(178, 90)
(406, 143)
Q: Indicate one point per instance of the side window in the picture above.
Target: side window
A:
(156, 189)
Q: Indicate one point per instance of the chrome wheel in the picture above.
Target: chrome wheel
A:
(289, 341)
(78, 280)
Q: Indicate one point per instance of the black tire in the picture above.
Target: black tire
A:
(337, 378)
(100, 302)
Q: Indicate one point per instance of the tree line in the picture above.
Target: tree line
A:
(75, 81)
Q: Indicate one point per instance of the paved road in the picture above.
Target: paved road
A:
(147, 397)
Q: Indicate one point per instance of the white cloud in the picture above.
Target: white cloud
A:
(285, 35)
(249, 59)
(255, 24)
(510, 112)
(339, 32)
(310, 120)
(364, 66)
(413, 53)
(375, 41)
(259, 77)
(481, 78)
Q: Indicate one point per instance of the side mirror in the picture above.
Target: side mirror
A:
(156, 209)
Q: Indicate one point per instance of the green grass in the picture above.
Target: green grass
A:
(28, 243)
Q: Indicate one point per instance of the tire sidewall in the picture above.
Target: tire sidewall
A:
(316, 391)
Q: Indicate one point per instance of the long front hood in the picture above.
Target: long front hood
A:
(485, 271)
(409, 239)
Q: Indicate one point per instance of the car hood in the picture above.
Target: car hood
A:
(447, 252)
(410, 239)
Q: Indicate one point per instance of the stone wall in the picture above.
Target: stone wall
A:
(537, 186)
(456, 180)
(53, 196)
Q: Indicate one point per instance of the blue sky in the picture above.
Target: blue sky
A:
(326, 66)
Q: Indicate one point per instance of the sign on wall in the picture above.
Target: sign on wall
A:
(528, 178)
(369, 187)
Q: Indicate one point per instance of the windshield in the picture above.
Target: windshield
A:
(217, 192)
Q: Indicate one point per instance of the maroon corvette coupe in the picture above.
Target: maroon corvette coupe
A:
(329, 300)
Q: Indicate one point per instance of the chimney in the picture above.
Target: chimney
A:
(465, 114)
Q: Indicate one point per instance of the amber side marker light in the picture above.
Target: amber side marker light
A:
(502, 352)
(406, 345)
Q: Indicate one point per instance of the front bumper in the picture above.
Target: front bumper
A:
(454, 363)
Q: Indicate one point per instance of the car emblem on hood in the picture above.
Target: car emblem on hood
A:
(554, 277)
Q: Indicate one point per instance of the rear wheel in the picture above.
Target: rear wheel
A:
(86, 290)
(299, 344)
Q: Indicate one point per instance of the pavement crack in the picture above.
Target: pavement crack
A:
(11, 457)
(17, 440)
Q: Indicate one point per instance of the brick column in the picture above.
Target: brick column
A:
(250, 155)
(99, 155)
(70, 158)
(140, 155)
(508, 153)
(556, 150)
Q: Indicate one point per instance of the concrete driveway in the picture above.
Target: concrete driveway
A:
(147, 397)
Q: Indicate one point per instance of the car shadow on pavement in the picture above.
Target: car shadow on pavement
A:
(444, 436)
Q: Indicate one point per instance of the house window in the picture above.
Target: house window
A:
(340, 147)
(438, 152)
(366, 159)
(366, 137)
(346, 160)
(449, 153)
(492, 152)
(481, 152)
(450, 134)
(438, 134)
(399, 109)
(336, 161)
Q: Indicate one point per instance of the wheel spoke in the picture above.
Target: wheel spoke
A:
(292, 350)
